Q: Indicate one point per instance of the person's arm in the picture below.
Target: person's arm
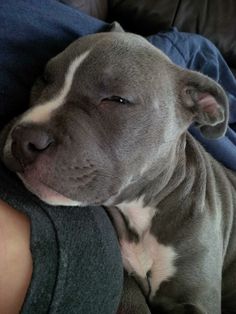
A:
(15, 258)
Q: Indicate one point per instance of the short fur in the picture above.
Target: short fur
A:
(105, 153)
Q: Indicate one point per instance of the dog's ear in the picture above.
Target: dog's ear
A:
(116, 27)
(207, 101)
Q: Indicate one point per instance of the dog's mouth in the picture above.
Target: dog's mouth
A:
(61, 181)
(45, 192)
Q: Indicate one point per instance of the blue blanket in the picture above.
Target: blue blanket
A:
(32, 32)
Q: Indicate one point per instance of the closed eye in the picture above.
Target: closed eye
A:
(117, 99)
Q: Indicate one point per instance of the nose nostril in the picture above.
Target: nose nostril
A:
(39, 145)
(31, 147)
(28, 142)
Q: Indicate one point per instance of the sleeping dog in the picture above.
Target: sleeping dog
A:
(108, 126)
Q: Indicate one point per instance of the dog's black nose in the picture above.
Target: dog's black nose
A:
(28, 142)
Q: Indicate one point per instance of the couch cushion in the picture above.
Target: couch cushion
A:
(96, 8)
(214, 19)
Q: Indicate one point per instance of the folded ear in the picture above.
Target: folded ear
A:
(208, 103)
(116, 27)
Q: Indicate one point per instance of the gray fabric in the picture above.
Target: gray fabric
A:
(76, 259)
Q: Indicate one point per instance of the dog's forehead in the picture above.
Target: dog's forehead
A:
(109, 63)
(100, 65)
(106, 49)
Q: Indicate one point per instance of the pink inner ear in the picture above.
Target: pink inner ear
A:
(208, 104)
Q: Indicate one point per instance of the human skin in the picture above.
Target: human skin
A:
(15, 258)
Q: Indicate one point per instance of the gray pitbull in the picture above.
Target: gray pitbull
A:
(108, 126)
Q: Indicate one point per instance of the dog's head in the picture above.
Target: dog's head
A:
(107, 111)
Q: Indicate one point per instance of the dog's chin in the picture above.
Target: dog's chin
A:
(47, 194)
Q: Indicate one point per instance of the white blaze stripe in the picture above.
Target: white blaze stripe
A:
(42, 113)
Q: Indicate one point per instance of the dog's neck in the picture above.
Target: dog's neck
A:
(186, 188)
(185, 171)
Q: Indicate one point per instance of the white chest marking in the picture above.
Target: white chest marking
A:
(138, 215)
(42, 112)
(148, 254)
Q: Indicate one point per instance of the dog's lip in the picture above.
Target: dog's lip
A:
(45, 192)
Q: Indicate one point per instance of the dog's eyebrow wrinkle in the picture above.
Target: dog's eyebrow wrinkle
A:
(42, 112)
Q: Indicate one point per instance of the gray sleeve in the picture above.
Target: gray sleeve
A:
(77, 265)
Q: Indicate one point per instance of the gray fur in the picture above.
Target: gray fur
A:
(106, 153)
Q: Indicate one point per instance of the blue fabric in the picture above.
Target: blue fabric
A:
(197, 53)
(31, 33)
